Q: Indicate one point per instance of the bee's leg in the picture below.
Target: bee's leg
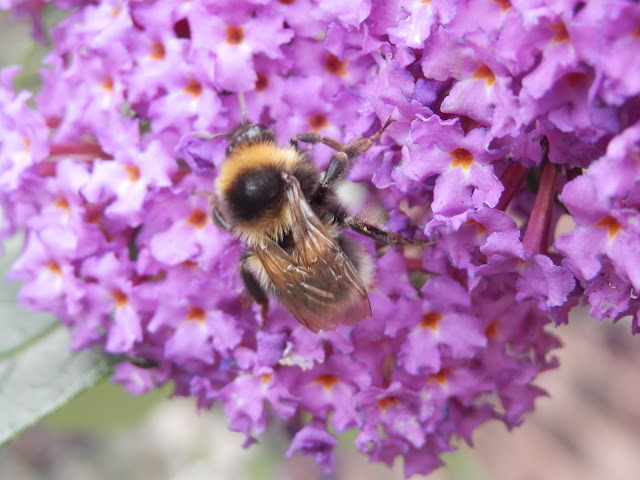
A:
(355, 148)
(312, 137)
(217, 216)
(253, 286)
(219, 219)
(340, 159)
(378, 234)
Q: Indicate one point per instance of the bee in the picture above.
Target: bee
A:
(286, 212)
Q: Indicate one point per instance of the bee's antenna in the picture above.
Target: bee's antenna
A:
(243, 107)
(208, 136)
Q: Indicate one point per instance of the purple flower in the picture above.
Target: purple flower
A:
(314, 440)
(23, 142)
(602, 250)
(506, 117)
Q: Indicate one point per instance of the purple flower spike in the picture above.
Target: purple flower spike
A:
(505, 117)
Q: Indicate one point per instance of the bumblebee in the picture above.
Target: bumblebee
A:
(286, 212)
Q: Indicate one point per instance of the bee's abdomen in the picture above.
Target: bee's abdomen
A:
(254, 192)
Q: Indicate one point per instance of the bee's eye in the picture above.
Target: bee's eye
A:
(255, 191)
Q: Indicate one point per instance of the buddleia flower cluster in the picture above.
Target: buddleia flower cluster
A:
(507, 116)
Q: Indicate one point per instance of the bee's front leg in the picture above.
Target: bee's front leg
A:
(339, 160)
(344, 153)
(216, 214)
(219, 219)
(312, 137)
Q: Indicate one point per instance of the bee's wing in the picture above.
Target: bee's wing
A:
(319, 284)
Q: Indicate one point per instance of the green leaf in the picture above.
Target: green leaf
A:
(38, 373)
(18, 327)
(42, 377)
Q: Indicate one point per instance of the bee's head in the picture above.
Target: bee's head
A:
(255, 194)
(249, 133)
(253, 182)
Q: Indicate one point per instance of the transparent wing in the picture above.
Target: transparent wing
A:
(317, 283)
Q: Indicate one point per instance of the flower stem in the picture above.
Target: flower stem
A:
(536, 237)
(511, 179)
(88, 149)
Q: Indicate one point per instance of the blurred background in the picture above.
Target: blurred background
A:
(587, 429)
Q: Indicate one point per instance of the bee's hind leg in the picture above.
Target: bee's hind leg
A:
(377, 233)
(254, 288)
